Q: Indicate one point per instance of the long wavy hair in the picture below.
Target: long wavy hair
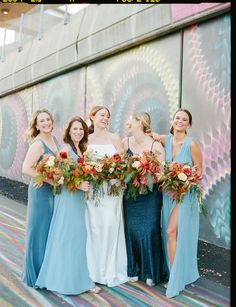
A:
(67, 138)
(93, 113)
(189, 117)
(32, 131)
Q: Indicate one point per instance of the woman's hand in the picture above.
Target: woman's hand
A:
(156, 137)
(84, 186)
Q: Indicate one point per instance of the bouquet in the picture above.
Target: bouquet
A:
(177, 179)
(54, 170)
(113, 171)
(90, 171)
(142, 173)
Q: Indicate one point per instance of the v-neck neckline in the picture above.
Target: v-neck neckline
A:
(54, 153)
(178, 151)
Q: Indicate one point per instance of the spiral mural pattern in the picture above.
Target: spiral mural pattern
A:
(209, 63)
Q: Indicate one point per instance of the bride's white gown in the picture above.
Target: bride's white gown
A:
(106, 249)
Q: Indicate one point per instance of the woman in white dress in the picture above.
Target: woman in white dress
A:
(106, 249)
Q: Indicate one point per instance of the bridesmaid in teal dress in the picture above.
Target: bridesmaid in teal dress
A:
(142, 215)
(40, 199)
(65, 268)
(180, 222)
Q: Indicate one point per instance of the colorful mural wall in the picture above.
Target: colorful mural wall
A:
(145, 78)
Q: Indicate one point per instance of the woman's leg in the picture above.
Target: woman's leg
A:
(171, 232)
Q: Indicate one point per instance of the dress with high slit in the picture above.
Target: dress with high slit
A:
(184, 269)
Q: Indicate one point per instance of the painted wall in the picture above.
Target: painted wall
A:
(145, 78)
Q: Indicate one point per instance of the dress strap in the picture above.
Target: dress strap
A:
(42, 142)
(153, 144)
(128, 142)
(56, 142)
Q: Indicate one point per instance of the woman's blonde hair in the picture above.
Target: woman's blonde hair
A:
(32, 131)
(93, 113)
(145, 119)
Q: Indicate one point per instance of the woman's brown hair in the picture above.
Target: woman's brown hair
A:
(189, 117)
(67, 138)
(32, 131)
(93, 113)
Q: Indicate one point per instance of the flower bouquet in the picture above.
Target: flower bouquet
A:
(90, 171)
(53, 170)
(178, 178)
(142, 174)
(113, 171)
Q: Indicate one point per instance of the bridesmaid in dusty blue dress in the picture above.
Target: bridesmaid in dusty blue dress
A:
(180, 222)
(40, 200)
(142, 215)
(65, 268)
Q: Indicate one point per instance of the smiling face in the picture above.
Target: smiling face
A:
(44, 122)
(101, 119)
(76, 132)
(181, 121)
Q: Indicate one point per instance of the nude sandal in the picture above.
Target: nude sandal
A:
(95, 290)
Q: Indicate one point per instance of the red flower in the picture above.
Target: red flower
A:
(80, 160)
(49, 175)
(144, 180)
(63, 154)
(187, 172)
(117, 158)
(136, 182)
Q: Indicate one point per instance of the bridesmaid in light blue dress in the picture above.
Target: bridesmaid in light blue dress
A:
(40, 200)
(180, 222)
(65, 268)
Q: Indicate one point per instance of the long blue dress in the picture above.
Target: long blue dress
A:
(65, 268)
(39, 215)
(184, 268)
(143, 235)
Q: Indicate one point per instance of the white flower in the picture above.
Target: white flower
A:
(98, 168)
(115, 182)
(136, 164)
(111, 170)
(50, 161)
(187, 166)
(61, 180)
(163, 163)
(182, 177)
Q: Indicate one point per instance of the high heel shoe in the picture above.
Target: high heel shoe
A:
(149, 282)
(95, 290)
(133, 279)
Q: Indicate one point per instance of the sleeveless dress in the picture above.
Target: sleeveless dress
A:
(39, 215)
(184, 268)
(65, 268)
(106, 250)
(143, 235)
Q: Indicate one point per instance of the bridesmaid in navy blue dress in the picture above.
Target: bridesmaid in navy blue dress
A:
(40, 199)
(142, 215)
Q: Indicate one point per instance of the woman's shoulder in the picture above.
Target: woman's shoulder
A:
(36, 143)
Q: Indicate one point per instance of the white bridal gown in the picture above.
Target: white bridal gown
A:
(106, 249)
